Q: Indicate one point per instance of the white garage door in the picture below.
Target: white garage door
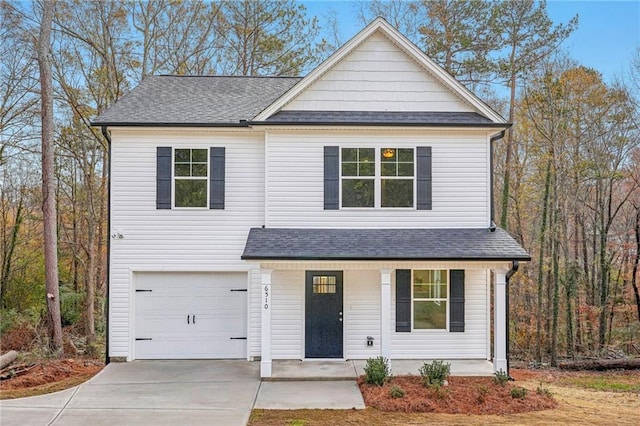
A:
(190, 315)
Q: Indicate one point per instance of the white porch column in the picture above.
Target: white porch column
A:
(265, 304)
(385, 313)
(500, 321)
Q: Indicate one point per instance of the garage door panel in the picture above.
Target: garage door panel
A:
(161, 314)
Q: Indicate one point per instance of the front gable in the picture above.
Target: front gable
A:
(378, 76)
(380, 70)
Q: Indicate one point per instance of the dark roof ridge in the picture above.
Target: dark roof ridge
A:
(226, 76)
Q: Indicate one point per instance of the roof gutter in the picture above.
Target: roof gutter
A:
(241, 123)
(376, 124)
(107, 137)
(492, 226)
(514, 268)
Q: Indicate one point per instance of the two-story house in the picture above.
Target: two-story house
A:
(342, 215)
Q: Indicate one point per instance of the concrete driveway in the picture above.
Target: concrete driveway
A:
(147, 392)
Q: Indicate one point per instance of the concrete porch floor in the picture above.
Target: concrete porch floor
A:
(351, 369)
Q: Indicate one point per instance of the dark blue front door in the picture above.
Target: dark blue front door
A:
(323, 314)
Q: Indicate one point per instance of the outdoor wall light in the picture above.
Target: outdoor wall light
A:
(369, 341)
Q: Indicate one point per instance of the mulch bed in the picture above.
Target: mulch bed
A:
(462, 395)
(46, 372)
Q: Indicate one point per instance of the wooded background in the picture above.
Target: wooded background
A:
(567, 174)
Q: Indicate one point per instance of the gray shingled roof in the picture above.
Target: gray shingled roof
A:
(381, 244)
(419, 118)
(191, 100)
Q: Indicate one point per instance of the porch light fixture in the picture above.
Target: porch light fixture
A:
(388, 153)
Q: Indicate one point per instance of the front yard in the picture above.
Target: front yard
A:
(583, 398)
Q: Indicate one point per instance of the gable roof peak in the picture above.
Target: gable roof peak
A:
(381, 25)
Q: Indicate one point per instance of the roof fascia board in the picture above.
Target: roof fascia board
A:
(169, 124)
(376, 259)
(408, 47)
(333, 124)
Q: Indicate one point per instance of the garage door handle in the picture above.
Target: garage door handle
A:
(187, 318)
(193, 318)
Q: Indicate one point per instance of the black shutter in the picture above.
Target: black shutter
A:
(403, 300)
(163, 177)
(423, 160)
(216, 178)
(331, 177)
(456, 299)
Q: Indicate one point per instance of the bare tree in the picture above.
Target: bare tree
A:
(48, 181)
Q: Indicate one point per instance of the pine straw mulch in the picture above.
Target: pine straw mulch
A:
(462, 395)
(46, 376)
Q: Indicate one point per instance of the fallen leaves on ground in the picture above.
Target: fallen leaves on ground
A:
(462, 395)
(49, 376)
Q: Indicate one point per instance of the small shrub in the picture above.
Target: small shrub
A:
(518, 393)
(483, 391)
(543, 391)
(435, 374)
(396, 392)
(71, 305)
(377, 371)
(439, 392)
(501, 378)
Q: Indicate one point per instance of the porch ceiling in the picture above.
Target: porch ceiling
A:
(382, 244)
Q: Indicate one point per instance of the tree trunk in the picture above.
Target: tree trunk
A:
(569, 292)
(601, 364)
(8, 358)
(509, 155)
(556, 288)
(636, 262)
(9, 249)
(49, 211)
(543, 231)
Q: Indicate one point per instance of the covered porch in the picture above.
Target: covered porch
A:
(370, 279)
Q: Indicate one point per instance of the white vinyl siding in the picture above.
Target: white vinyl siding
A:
(362, 313)
(176, 239)
(460, 180)
(377, 76)
(287, 310)
(441, 344)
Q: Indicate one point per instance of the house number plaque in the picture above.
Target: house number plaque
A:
(266, 296)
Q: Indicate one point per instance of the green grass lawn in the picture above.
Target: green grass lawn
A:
(610, 383)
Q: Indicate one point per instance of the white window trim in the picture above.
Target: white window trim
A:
(446, 298)
(174, 177)
(377, 180)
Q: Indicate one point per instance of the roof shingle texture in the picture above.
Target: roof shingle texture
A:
(381, 117)
(382, 244)
(200, 100)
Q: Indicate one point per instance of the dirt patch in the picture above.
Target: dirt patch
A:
(463, 395)
(48, 376)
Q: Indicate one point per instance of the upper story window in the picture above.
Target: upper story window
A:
(358, 177)
(191, 177)
(387, 182)
(396, 183)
